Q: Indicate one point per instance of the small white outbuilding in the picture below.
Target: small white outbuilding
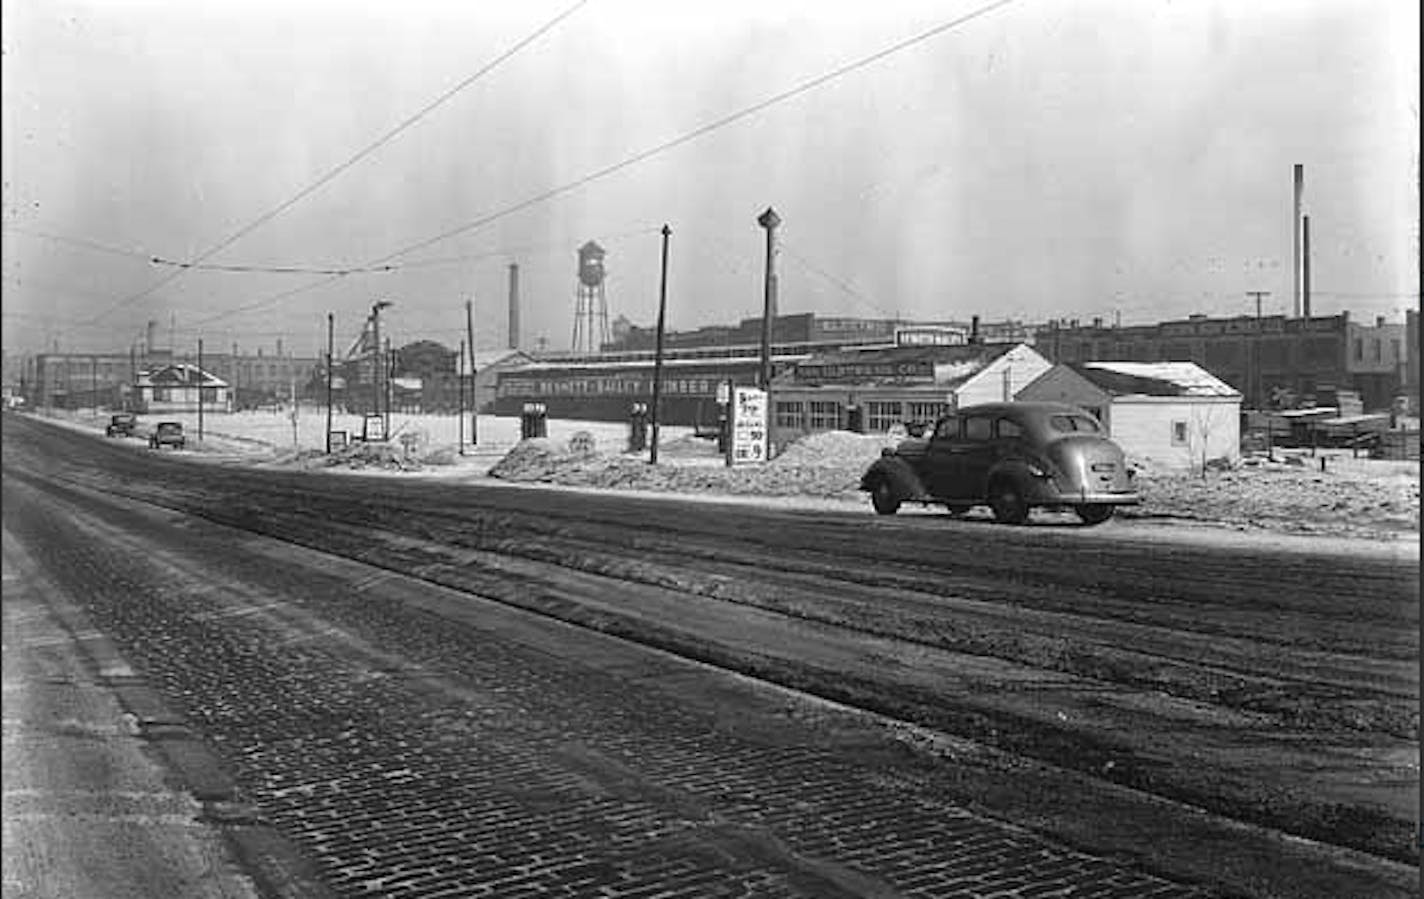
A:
(1166, 415)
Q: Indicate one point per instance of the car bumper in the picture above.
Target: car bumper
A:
(1052, 494)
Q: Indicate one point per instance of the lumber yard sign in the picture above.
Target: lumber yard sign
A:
(749, 427)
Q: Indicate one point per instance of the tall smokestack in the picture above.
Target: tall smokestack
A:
(513, 306)
(974, 329)
(1295, 235)
(1305, 265)
(151, 341)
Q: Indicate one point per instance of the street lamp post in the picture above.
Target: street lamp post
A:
(768, 220)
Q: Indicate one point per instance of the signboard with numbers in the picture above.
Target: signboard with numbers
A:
(749, 427)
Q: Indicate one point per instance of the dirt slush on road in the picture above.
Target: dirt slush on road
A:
(1356, 731)
(1238, 649)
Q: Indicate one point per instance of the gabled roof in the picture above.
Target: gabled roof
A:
(502, 357)
(1154, 379)
(180, 375)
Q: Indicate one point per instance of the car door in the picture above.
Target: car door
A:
(941, 457)
(978, 453)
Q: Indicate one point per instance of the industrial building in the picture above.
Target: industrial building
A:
(1274, 361)
(111, 380)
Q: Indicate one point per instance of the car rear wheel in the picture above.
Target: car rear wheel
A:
(884, 498)
(1008, 503)
(1094, 513)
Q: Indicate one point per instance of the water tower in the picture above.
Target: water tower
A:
(590, 304)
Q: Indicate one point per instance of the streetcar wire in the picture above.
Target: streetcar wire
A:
(643, 155)
(342, 167)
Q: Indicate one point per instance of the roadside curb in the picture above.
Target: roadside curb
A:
(277, 868)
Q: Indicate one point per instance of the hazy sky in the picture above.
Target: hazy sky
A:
(1048, 158)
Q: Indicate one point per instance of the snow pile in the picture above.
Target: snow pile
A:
(1354, 497)
(360, 455)
(1359, 498)
(822, 465)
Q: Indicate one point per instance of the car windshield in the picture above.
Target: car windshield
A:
(1075, 423)
(169, 427)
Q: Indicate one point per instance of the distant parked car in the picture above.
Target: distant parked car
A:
(1012, 457)
(121, 424)
(167, 433)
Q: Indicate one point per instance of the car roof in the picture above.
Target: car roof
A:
(1039, 408)
(170, 424)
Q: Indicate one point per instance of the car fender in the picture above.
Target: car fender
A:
(901, 475)
(1027, 475)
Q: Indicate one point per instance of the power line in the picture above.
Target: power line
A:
(273, 270)
(360, 154)
(267, 301)
(653, 151)
(706, 129)
(79, 242)
(835, 281)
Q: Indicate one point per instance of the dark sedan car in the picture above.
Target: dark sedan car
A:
(167, 433)
(1012, 457)
(121, 424)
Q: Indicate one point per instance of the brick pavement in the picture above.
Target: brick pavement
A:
(410, 757)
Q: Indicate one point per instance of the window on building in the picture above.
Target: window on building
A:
(1359, 349)
(790, 414)
(162, 394)
(925, 412)
(1394, 351)
(1179, 433)
(1376, 348)
(210, 394)
(825, 415)
(880, 416)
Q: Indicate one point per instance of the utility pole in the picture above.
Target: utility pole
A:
(390, 389)
(1255, 356)
(474, 404)
(768, 220)
(1258, 294)
(460, 391)
(658, 353)
(376, 359)
(330, 351)
(200, 390)
(94, 382)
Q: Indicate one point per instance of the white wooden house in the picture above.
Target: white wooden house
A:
(1169, 415)
(177, 388)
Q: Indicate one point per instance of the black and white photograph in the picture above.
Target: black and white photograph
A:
(607, 449)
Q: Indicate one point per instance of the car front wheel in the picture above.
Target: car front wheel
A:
(1094, 513)
(1008, 503)
(884, 498)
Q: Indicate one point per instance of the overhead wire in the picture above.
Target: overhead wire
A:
(342, 167)
(705, 129)
(643, 155)
(78, 242)
(834, 281)
(272, 270)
